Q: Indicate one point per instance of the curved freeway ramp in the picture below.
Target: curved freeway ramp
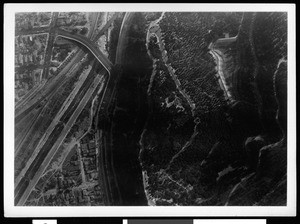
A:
(89, 45)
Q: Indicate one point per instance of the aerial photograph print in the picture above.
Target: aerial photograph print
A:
(150, 108)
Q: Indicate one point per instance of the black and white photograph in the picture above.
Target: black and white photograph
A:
(122, 105)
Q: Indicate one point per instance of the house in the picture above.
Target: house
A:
(226, 35)
(84, 147)
(92, 144)
(92, 153)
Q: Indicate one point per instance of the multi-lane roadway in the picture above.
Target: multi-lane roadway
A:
(52, 126)
(26, 181)
(48, 52)
(58, 142)
(91, 46)
(25, 106)
(22, 192)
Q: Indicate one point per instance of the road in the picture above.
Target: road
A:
(123, 40)
(26, 106)
(155, 29)
(89, 45)
(106, 150)
(103, 177)
(52, 126)
(25, 127)
(221, 78)
(32, 131)
(32, 100)
(29, 95)
(51, 39)
(105, 28)
(215, 51)
(51, 30)
(95, 16)
(114, 76)
(50, 90)
(80, 39)
(62, 136)
(223, 42)
(123, 159)
(33, 31)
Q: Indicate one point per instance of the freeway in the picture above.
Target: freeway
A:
(43, 94)
(88, 44)
(51, 30)
(114, 76)
(105, 168)
(61, 69)
(80, 39)
(125, 169)
(49, 93)
(29, 95)
(106, 26)
(38, 30)
(51, 39)
(103, 177)
(111, 82)
(59, 141)
(109, 179)
(50, 89)
(52, 126)
(24, 128)
(94, 19)
(83, 40)
(107, 172)
(123, 40)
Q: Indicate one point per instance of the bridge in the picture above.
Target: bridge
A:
(91, 46)
(28, 184)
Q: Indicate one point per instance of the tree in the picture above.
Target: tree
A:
(84, 31)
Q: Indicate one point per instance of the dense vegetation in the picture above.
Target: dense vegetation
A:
(198, 159)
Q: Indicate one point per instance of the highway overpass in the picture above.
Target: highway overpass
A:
(89, 45)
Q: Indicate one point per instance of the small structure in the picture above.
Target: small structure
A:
(226, 35)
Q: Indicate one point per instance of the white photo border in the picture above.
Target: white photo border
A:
(142, 211)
